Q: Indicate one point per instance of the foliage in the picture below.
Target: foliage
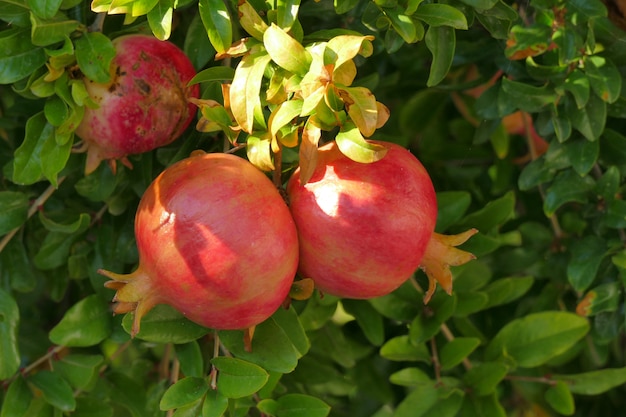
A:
(515, 108)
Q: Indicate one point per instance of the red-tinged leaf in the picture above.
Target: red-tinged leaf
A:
(250, 20)
(308, 149)
(362, 108)
(383, 114)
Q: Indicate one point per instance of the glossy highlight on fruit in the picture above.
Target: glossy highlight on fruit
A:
(216, 241)
(144, 106)
(364, 229)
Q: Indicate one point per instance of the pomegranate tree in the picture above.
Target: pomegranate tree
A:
(216, 241)
(365, 228)
(143, 106)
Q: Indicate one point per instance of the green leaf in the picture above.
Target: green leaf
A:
(165, 324)
(437, 14)
(494, 214)
(421, 109)
(16, 399)
(427, 324)
(217, 23)
(591, 120)
(250, 20)
(92, 407)
(441, 42)
(272, 347)
(288, 320)
(505, 290)
(94, 54)
(594, 382)
(45, 32)
(86, 323)
(27, 163)
(560, 399)
(411, 31)
(54, 389)
(400, 348)
(238, 378)
(13, 210)
(287, 13)
(452, 206)
(577, 83)
(567, 187)
(417, 402)
(352, 144)
(410, 377)
(283, 115)
(535, 339)
(484, 378)
(218, 74)
(18, 56)
(160, 19)
(300, 405)
(259, 152)
(527, 97)
(368, 320)
(285, 51)
(586, 256)
(215, 404)
(45, 9)
(481, 4)
(9, 322)
(456, 350)
(73, 227)
(583, 154)
(245, 89)
(185, 391)
(190, 357)
(80, 370)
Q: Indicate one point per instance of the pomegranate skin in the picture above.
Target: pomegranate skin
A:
(144, 106)
(363, 228)
(216, 241)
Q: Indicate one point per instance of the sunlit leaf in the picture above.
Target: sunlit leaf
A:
(536, 338)
(285, 51)
(245, 89)
(250, 20)
(217, 22)
(352, 144)
(259, 152)
(362, 108)
(437, 14)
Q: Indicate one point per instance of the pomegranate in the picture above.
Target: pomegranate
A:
(144, 106)
(365, 228)
(216, 241)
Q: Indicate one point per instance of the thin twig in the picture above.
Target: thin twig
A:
(435, 358)
(31, 211)
(216, 353)
(525, 378)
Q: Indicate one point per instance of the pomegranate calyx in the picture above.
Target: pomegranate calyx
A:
(134, 293)
(440, 254)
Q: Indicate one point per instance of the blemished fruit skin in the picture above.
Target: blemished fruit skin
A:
(216, 241)
(144, 106)
(363, 228)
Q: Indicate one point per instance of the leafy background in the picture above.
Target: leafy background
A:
(535, 325)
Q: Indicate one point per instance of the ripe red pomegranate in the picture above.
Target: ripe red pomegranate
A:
(144, 106)
(216, 241)
(365, 228)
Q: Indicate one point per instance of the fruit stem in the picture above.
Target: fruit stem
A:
(135, 293)
(441, 253)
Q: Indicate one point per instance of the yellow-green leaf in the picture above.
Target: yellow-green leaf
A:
(245, 89)
(285, 51)
(362, 108)
(352, 144)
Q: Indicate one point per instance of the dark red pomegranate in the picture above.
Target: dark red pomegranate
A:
(216, 241)
(144, 106)
(365, 228)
